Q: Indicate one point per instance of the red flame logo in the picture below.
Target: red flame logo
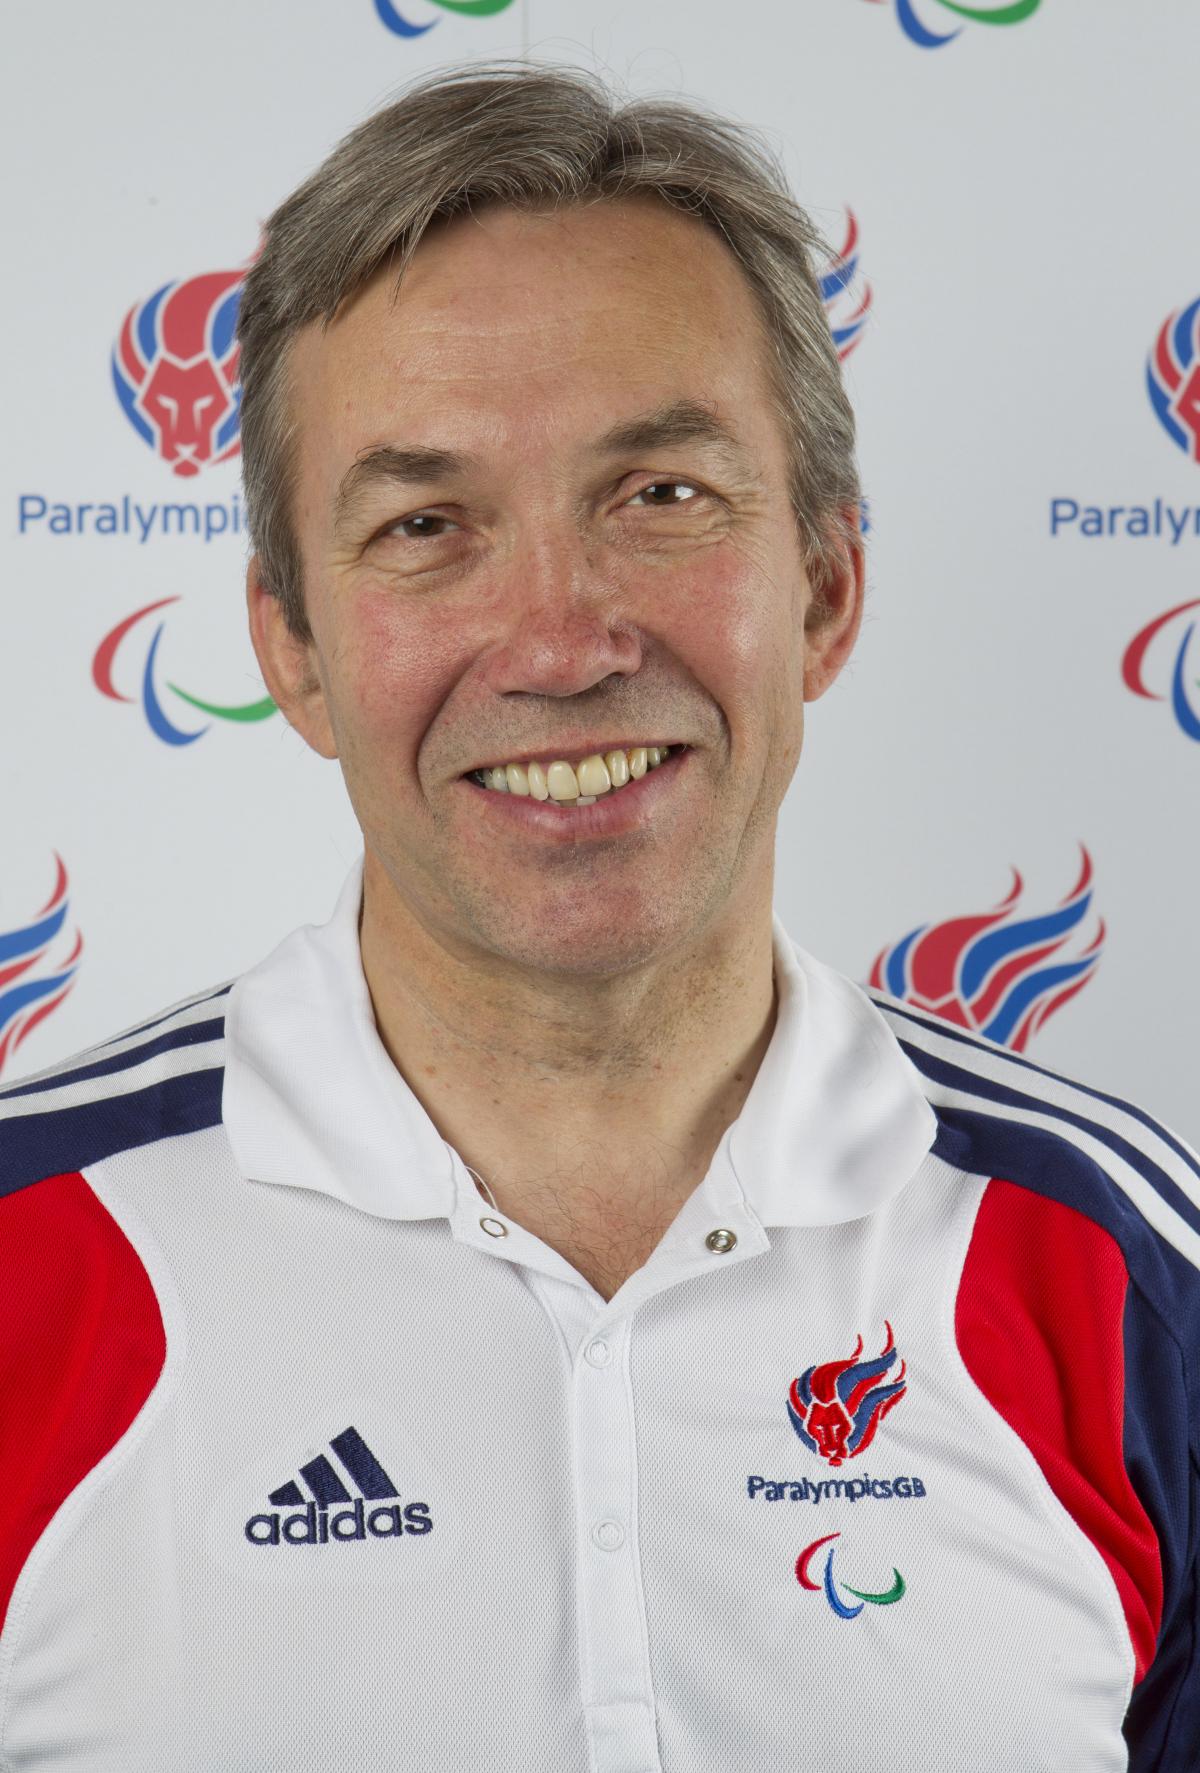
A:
(836, 1407)
(995, 973)
(28, 992)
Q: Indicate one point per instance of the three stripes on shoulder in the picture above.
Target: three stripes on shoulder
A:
(1005, 1110)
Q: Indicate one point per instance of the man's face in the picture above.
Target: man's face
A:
(553, 594)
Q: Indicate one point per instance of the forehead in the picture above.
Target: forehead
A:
(510, 328)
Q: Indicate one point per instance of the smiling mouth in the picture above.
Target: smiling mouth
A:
(574, 785)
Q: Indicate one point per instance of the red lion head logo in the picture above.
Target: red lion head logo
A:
(175, 370)
(835, 1408)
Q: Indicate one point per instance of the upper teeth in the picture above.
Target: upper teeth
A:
(584, 783)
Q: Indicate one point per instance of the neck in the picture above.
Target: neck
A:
(567, 1090)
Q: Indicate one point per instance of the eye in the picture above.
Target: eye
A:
(401, 527)
(665, 504)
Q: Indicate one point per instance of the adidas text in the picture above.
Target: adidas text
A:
(316, 1526)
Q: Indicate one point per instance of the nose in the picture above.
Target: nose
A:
(566, 621)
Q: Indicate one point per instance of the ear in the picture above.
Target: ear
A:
(834, 614)
(289, 665)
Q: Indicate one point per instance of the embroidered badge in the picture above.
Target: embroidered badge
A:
(842, 1608)
(327, 1485)
(836, 1407)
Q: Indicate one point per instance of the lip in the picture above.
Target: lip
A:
(619, 811)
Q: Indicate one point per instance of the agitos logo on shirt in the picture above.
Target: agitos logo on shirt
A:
(844, 1609)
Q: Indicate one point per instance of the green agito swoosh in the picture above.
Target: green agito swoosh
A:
(481, 8)
(245, 711)
(999, 15)
(881, 1600)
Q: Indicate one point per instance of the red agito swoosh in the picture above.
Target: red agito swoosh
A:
(1135, 652)
(805, 1558)
(102, 664)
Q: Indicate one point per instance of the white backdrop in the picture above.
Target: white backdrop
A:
(1023, 193)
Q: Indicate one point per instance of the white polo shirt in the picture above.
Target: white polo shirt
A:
(310, 1460)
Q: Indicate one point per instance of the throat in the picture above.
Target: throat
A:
(606, 1230)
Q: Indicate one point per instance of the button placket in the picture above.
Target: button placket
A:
(618, 1699)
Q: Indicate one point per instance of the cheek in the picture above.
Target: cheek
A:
(740, 636)
(391, 668)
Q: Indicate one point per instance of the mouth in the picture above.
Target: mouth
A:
(600, 795)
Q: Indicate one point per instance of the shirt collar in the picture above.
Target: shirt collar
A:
(835, 1122)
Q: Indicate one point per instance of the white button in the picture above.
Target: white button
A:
(609, 1535)
(598, 1353)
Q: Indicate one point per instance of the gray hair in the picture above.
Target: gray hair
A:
(533, 137)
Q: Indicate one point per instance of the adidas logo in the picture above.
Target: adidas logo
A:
(314, 1525)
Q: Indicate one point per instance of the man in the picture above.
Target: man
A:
(545, 1319)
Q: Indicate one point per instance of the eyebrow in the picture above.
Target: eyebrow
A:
(679, 421)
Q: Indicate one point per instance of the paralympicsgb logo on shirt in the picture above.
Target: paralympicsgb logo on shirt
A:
(835, 1408)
